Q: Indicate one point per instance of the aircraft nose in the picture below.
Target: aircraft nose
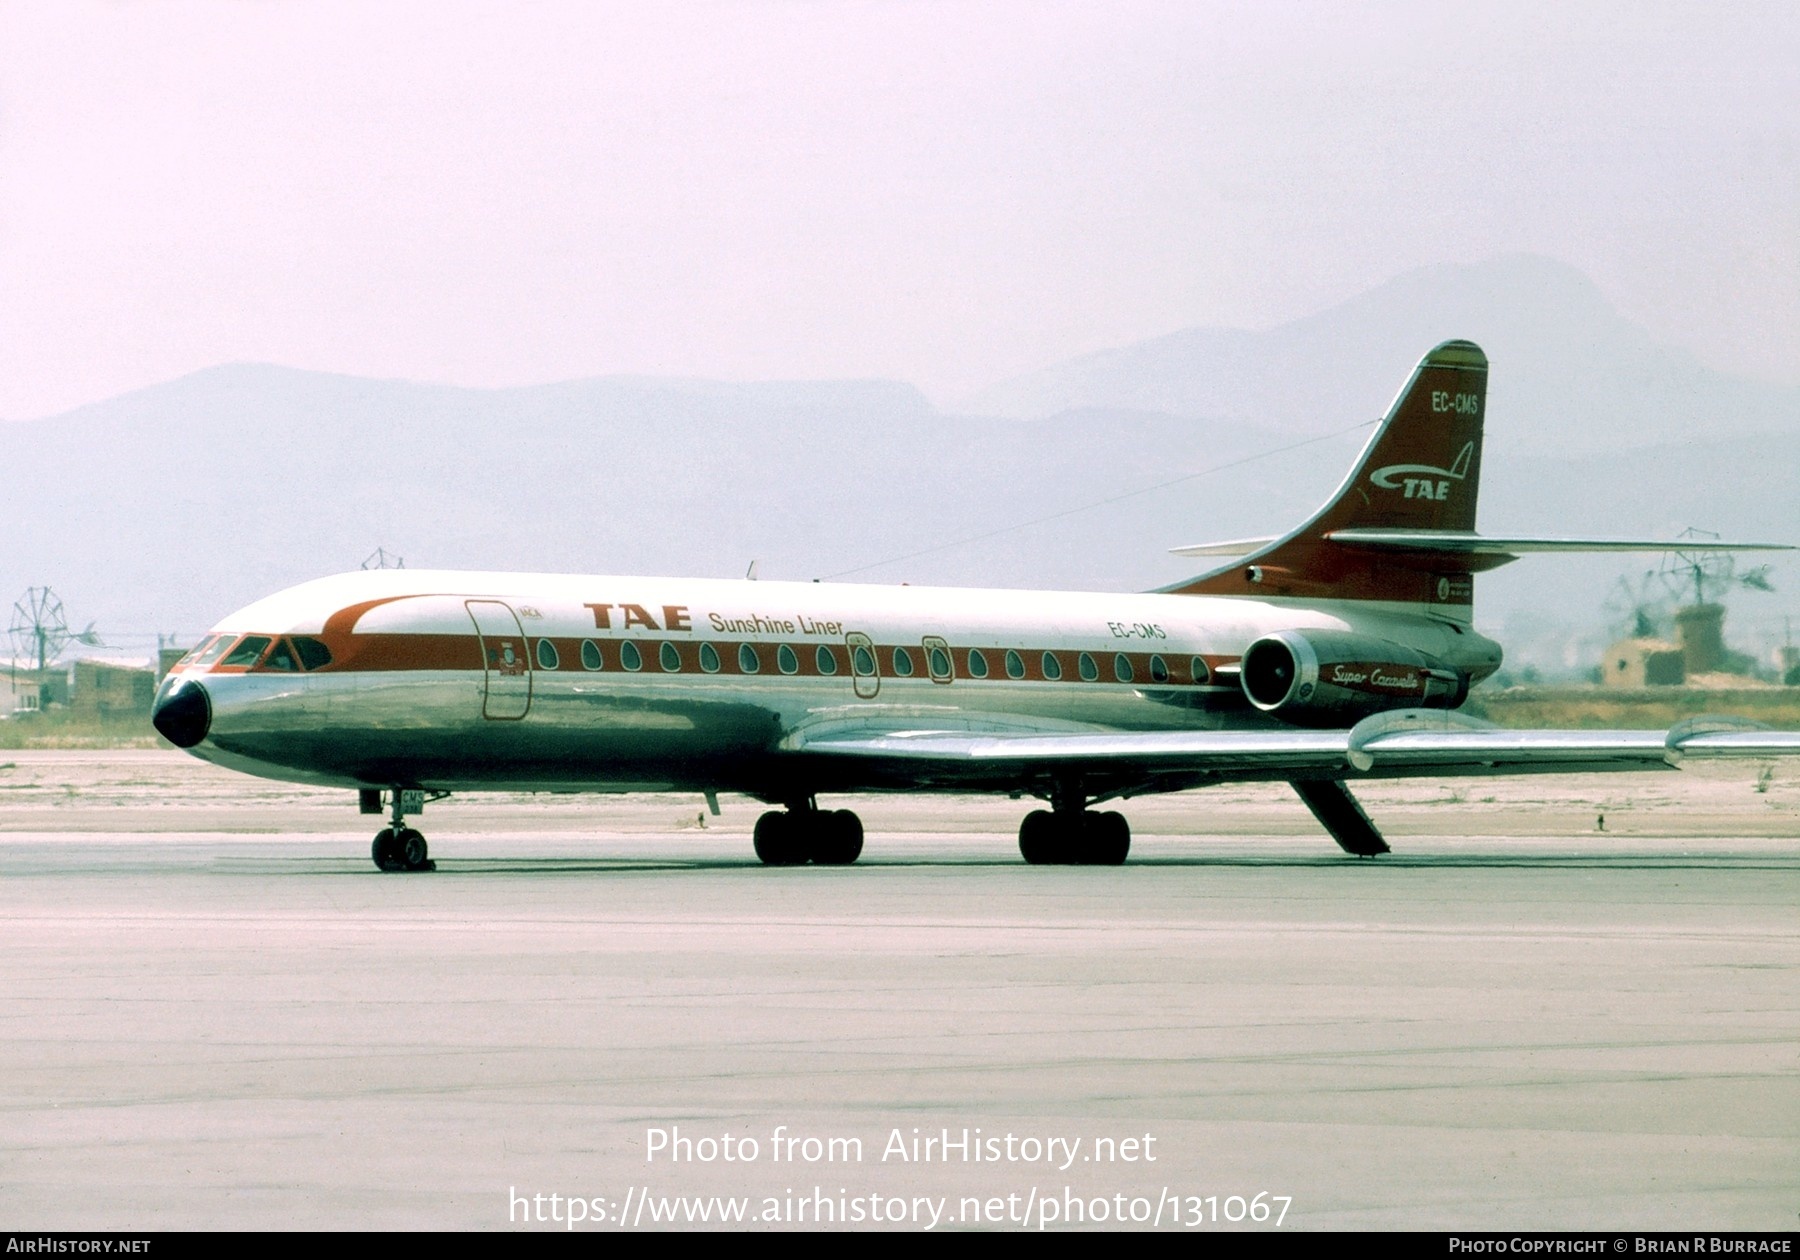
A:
(183, 715)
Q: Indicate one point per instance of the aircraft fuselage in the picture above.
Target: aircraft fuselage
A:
(458, 681)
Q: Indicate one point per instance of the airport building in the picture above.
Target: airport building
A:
(1643, 663)
(92, 687)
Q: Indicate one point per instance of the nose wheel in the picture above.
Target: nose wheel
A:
(398, 847)
(401, 849)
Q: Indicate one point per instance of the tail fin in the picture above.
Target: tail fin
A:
(1420, 471)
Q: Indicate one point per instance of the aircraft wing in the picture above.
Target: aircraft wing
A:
(1389, 745)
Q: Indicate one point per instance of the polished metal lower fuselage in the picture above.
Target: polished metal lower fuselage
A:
(426, 730)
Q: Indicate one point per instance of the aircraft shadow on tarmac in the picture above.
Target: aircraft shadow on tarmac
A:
(492, 867)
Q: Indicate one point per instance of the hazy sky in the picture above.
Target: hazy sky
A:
(495, 194)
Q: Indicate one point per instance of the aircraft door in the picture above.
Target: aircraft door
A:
(863, 670)
(506, 666)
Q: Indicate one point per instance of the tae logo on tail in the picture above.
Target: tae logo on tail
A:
(1424, 481)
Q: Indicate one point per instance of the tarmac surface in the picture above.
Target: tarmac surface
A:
(217, 1014)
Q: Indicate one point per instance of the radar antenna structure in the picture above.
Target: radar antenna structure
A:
(1638, 609)
(1691, 577)
(39, 631)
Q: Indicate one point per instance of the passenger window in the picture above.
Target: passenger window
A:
(630, 657)
(671, 659)
(786, 660)
(247, 651)
(939, 661)
(1015, 665)
(864, 662)
(748, 662)
(590, 655)
(709, 658)
(903, 666)
(547, 655)
(1202, 675)
(312, 652)
(1052, 667)
(281, 657)
(1089, 670)
(1159, 670)
(977, 664)
(1122, 667)
(827, 660)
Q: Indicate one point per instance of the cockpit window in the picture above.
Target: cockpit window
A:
(213, 650)
(193, 653)
(313, 652)
(281, 657)
(247, 651)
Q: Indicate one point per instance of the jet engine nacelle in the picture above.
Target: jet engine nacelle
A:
(1325, 677)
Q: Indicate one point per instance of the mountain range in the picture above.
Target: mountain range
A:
(165, 508)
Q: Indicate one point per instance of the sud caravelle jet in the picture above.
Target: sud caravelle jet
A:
(1337, 653)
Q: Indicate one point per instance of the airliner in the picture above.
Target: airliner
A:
(1336, 653)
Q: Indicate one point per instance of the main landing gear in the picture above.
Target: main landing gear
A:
(1074, 838)
(397, 847)
(1069, 834)
(805, 833)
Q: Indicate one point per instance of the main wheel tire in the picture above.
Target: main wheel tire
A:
(386, 851)
(1106, 839)
(837, 838)
(779, 839)
(1040, 839)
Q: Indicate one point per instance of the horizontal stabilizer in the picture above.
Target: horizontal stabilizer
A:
(1467, 543)
(1464, 543)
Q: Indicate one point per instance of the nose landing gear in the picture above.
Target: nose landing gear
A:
(398, 847)
(401, 849)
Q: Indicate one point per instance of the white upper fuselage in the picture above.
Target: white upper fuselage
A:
(563, 604)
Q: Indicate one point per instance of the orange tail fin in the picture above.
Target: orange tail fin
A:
(1420, 471)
